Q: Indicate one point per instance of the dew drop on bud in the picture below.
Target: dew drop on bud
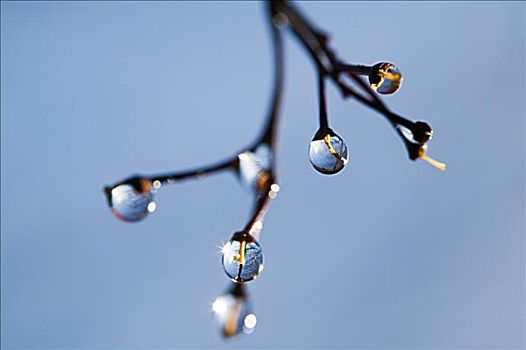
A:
(233, 312)
(254, 168)
(328, 153)
(242, 258)
(422, 132)
(131, 200)
(385, 78)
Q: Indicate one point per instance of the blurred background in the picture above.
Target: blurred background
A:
(387, 254)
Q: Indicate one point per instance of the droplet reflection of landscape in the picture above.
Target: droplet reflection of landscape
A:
(328, 155)
(242, 258)
(385, 78)
(132, 200)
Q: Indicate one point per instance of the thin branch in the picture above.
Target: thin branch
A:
(230, 163)
(269, 134)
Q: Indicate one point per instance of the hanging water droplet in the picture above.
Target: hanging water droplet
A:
(131, 200)
(420, 133)
(385, 78)
(254, 168)
(242, 258)
(233, 312)
(328, 153)
(418, 137)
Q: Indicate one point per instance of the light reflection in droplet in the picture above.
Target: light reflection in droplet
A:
(151, 207)
(220, 305)
(274, 189)
(250, 321)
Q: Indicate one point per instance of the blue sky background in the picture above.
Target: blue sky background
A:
(388, 254)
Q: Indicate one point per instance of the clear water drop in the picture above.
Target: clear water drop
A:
(242, 258)
(385, 78)
(328, 153)
(131, 200)
(420, 133)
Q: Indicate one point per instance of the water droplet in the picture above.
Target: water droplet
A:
(242, 258)
(132, 199)
(233, 312)
(385, 78)
(420, 133)
(328, 153)
(254, 168)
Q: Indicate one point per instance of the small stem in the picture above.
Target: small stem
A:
(260, 208)
(324, 120)
(354, 69)
(238, 290)
(367, 88)
(196, 173)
